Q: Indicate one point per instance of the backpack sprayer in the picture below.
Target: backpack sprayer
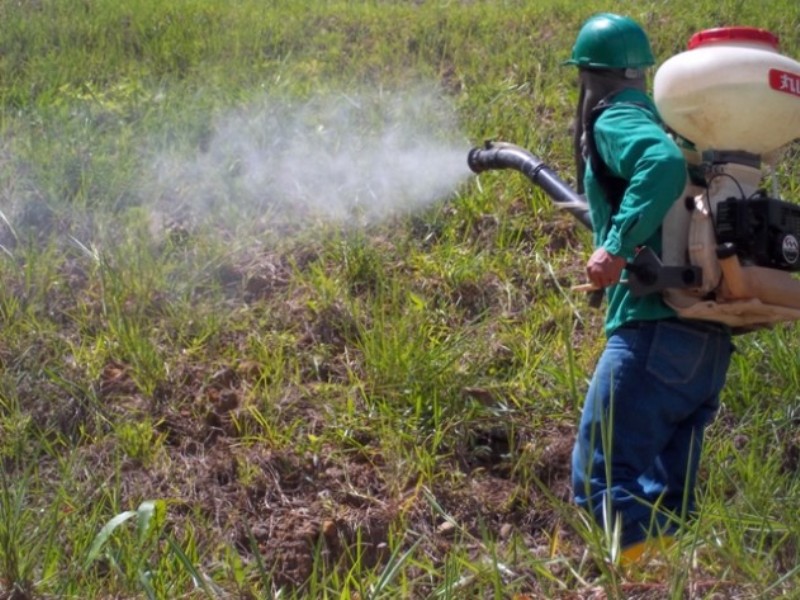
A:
(729, 247)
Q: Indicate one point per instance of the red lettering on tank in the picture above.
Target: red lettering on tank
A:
(784, 81)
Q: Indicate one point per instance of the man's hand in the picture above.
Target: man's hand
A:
(604, 269)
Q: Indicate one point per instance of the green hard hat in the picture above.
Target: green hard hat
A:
(608, 41)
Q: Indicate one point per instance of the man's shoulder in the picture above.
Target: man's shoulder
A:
(630, 96)
(627, 101)
(629, 108)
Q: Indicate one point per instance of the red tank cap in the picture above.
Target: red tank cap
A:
(733, 34)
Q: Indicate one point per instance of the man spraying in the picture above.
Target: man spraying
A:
(656, 385)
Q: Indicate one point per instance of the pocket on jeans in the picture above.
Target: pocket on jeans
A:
(676, 352)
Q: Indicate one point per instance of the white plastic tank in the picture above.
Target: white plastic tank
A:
(731, 90)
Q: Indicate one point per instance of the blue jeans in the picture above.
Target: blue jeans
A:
(655, 388)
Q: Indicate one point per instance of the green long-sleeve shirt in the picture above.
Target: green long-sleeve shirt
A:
(632, 142)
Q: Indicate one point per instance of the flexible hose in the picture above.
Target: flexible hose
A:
(502, 155)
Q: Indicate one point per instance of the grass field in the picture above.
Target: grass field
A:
(265, 336)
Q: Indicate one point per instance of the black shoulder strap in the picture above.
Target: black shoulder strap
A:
(613, 185)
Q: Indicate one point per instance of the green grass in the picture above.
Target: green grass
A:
(250, 349)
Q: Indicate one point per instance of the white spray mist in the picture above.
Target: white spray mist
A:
(339, 158)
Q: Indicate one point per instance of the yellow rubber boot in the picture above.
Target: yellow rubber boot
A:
(642, 552)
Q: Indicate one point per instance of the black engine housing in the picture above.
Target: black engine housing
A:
(765, 231)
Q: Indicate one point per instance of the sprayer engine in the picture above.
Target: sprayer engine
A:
(764, 231)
